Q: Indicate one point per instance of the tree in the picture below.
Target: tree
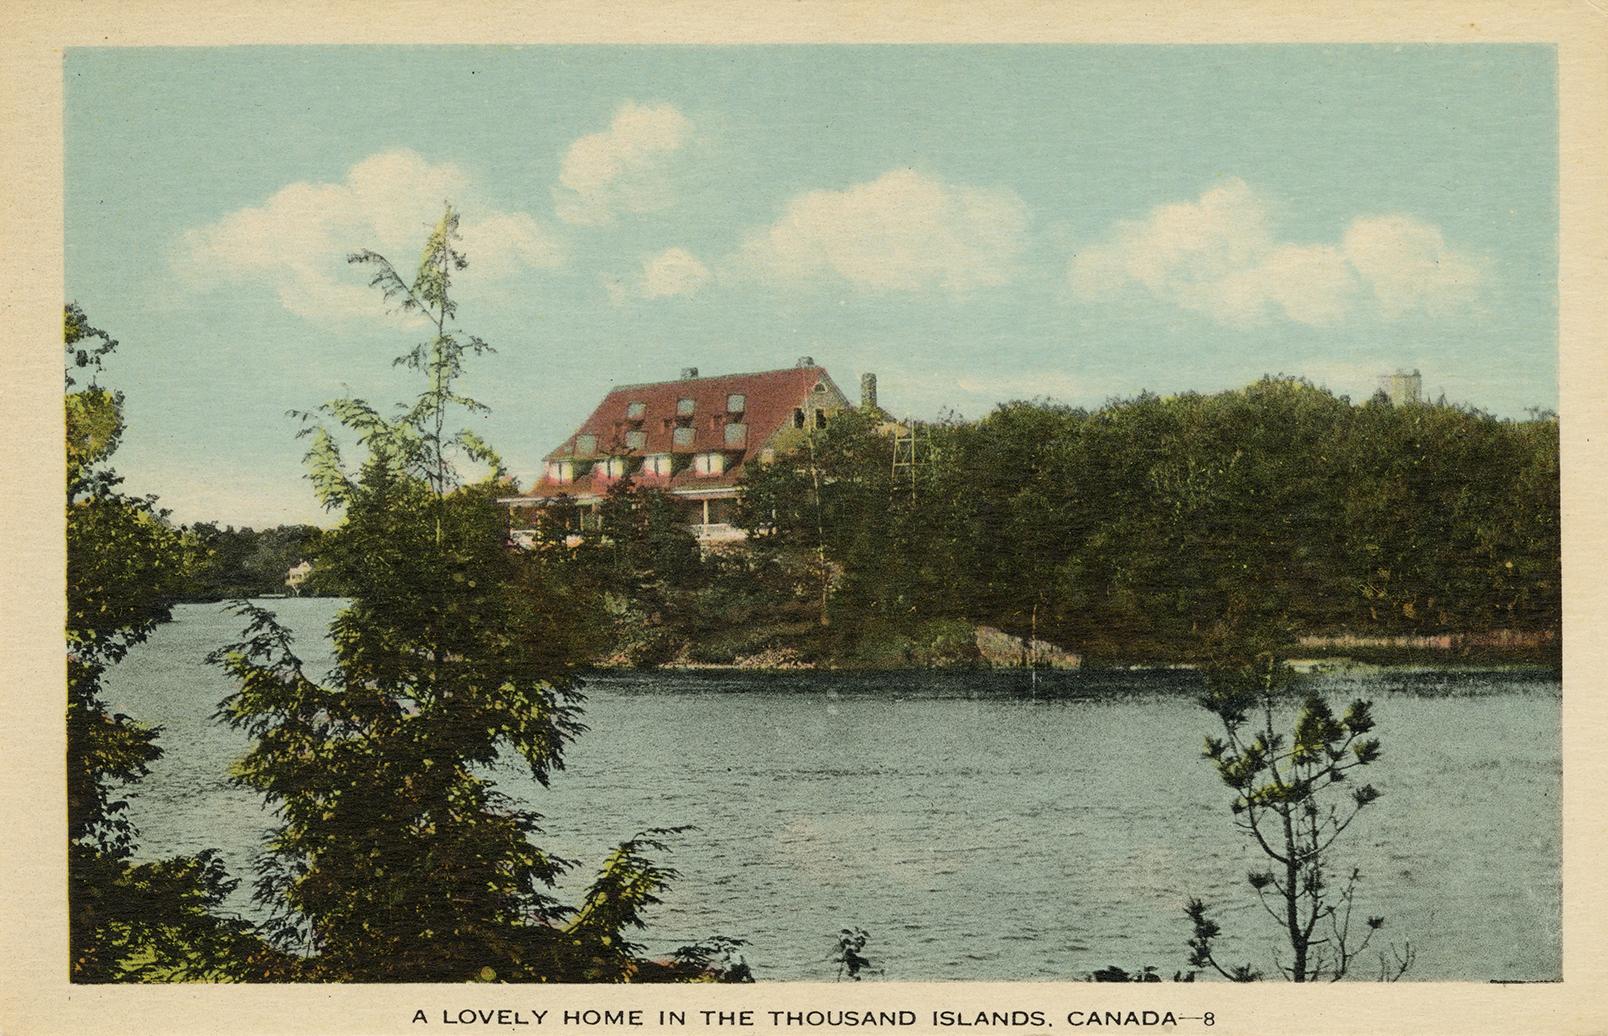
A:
(1293, 796)
(127, 921)
(224, 563)
(395, 857)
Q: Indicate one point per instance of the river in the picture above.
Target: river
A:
(975, 826)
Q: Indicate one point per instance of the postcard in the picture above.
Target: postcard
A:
(723, 518)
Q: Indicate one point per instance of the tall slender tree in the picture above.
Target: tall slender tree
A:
(1294, 796)
(396, 858)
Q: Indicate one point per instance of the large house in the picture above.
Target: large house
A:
(691, 438)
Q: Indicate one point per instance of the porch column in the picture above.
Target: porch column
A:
(706, 510)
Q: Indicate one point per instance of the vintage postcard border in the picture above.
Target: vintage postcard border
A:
(35, 997)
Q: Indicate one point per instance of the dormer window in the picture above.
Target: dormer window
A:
(709, 463)
(585, 445)
(736, 434)
(736, 403)
(636, 411)
(684, 436)
(684, 407)
(636, 440)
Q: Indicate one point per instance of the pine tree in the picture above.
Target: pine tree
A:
(396, 858)
(1295, 796)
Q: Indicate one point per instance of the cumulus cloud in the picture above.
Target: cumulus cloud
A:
(624, 168)
(903, 231)
(298, 239)
(675, 271)
(1220, 256)
(1408, 265)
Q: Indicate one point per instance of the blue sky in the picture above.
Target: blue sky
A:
(975, 224)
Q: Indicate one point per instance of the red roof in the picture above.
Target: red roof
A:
(639, 420)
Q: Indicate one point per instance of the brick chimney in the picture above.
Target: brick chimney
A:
(805, 361)
(688, 373)
(868, 391)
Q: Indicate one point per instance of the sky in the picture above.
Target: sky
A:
(975, 224)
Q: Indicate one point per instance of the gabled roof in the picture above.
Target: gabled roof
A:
(769, 400)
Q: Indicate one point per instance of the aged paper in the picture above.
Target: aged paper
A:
(36, 996)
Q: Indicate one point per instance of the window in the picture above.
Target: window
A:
(709, 463)
(636, 440)
(736, 403)
(684, 407)
(736, 434)
(657, 464)
(636, 411)
(820, 418)
(618, 466)
(585, 445)
(683, 436)
(798, 417)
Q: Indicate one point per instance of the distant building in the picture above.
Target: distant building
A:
(298, 575)
(1402, 387)
(692, 438)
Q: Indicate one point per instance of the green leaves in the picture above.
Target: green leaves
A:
(1285, 801)
(1316, 734)
(1129, 531)
(1365, 795)
(1359, 717)
(87, 345)
(396, 858)
(152, 921)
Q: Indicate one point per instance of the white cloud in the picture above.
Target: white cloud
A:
(624, 168)
(298, 239)
(900, 232)
(1408, 266)
(675, 271)
(1220, 256)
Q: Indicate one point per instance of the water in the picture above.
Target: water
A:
(974, 831)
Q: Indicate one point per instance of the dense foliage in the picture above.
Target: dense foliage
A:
(395, 857)
(128, 921)
(221, 563)
(1128, 531)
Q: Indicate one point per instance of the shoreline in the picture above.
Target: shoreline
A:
(1306, 665)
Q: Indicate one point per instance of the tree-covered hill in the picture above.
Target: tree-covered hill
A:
(1126, 533)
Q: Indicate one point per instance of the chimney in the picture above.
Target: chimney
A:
(805, 361)
(688, 373)
(868, 391)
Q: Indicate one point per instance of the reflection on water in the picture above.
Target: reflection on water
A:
(978, 827)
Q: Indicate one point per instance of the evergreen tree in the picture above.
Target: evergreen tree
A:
(127, 921)
(1294, 795)
(396, 858)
